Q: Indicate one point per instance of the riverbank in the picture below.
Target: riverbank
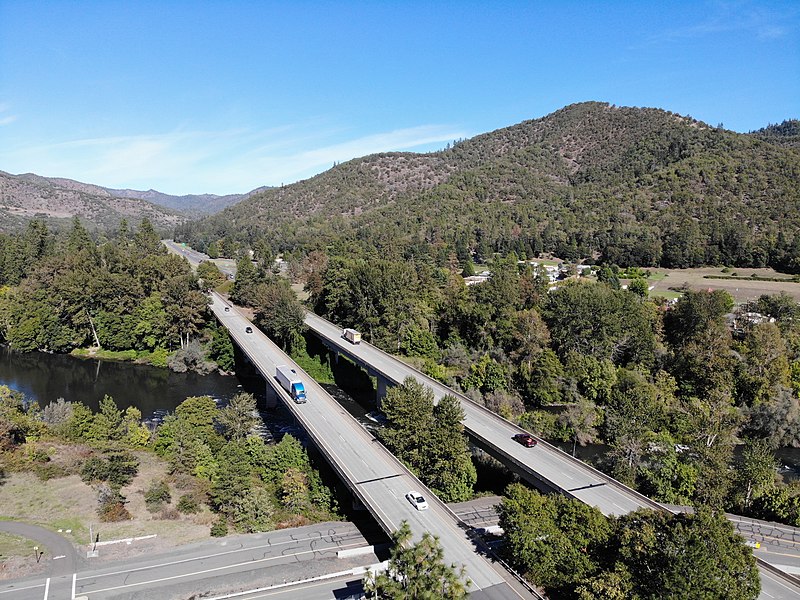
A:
(157, 358)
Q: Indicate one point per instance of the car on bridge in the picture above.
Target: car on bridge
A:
(525, 439)
(417, 500)
(248, 329)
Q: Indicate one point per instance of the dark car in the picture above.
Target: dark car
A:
(525, 439)
(248, 330)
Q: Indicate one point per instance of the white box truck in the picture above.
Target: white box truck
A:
(291, 383)
(352, 336)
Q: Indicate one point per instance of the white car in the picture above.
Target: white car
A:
(417, 500)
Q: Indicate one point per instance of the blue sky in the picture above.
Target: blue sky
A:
(225, 96)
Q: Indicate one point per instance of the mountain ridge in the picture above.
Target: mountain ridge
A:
(55, 200)
(29, 195)
(621, 184)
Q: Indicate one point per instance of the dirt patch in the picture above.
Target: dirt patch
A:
(69, 506)
(742, 290)
(18, 555)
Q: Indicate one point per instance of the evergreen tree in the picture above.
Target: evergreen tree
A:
(417, 571)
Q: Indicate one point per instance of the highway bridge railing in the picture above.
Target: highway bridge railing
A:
(435, 384)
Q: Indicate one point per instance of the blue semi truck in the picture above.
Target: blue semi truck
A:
(291, 383)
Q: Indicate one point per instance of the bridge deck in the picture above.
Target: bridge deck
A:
(374, 475)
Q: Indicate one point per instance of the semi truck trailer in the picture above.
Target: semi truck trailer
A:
(352, 336)
(291, 383)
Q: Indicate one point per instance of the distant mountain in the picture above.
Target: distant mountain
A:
(28, 196)
(191, 204)
(622, 185)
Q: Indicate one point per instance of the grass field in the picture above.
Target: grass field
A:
(742, 290)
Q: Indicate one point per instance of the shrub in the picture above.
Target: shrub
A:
(187, 504)
(220, 527)
(94, 469)
(191, 358)
(112, 504)
(49, 471)
(118, 468)
(122, 468)
(157, 496)
(158, 358)
(113, 512)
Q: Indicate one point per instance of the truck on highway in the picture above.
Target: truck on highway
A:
(352, 336)
(291, 383)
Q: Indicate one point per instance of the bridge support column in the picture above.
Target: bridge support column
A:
(381, 391)
(270, 396)
(357, 504)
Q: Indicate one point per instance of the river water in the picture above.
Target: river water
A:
(46, 377)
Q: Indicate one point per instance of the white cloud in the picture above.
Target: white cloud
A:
(730, 17)
(6, 119)
(220, 162)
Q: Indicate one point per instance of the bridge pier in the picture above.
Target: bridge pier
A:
(270, 396)
(381, 394)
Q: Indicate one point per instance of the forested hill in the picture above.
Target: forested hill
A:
(623, 185)
(26, 197)
(785, 134)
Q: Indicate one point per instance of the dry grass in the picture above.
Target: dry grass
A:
(742, 290)
(68, 503)
(17, 555)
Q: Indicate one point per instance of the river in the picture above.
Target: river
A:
(46, 377)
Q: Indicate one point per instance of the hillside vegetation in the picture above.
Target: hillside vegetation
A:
(622, 185)
(55, 201)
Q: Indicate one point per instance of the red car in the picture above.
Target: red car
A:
(525, 439)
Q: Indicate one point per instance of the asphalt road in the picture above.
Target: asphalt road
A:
(558, 468)
(373, 474)
(227, 266)
(562, 471)
(220, 567)
(580, 481)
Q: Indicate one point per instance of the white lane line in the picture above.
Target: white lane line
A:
(46, 588)
(203, 572)
(14, 589)
(74, 577)
(206, 556)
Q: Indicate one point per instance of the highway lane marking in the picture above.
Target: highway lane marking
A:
(194, 573)
(19, 589)
(46, 588)
(218, 554)
(766, 551)
(74, 578)
(778, 581)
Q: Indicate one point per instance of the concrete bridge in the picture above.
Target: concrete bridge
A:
(374, 476)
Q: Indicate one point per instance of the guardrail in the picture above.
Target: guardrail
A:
(433, 383)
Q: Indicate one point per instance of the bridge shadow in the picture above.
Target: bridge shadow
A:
(347, 376)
